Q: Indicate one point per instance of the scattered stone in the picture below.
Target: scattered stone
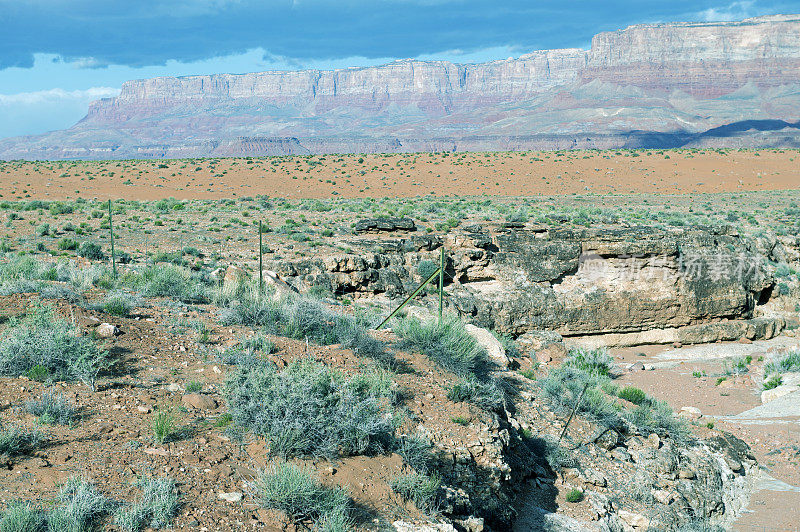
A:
(105, 428)
(490, 343)
(663, 496)
(634, 520)
(155, 451)
(403, 526)
(636, 366)
(106, 330)
(143, 409)
(234, 496)
(690, 412)
(174, 387)
(199, 401)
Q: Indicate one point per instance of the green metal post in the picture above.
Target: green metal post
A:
(111, 230)
(260, 259)
(441, 282)
(409, 298)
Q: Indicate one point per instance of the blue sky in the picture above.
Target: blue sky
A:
(58, 55)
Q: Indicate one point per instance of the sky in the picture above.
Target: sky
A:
(56, 56)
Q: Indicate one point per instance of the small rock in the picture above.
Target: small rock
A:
(663, 496)
(106, 330)
(143, 409)
(687, 474)
(199, 401)
(234, 496)
(174, 387)
(636, 366)
(634, 520)
(745, 341)
(471, 524)
(690, 412)
(654, 441)
(155, 451)
(105, 428)
(621, 454)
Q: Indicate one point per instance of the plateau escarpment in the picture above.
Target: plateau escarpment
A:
(660, 85)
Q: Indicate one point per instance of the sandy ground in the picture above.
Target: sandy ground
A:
(408, 175)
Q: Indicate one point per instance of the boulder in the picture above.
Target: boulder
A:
(234, 277)
(199, 401)
(377, 225)
(106, 330)
(780, 391)
(488, 341)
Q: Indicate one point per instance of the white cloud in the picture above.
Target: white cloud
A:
(57, 95)
(733, 11)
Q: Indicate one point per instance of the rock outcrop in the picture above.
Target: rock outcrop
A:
(655, 85)
(600, 286)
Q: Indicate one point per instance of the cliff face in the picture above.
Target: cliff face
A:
(677, 80)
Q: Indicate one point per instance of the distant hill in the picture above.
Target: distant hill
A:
(732, 84)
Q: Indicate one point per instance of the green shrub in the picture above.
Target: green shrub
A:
(23, 517)
(168, 280)
(563, 385)
(40, 339)
(446, 342)
(80, 507)
(656, 417)
(303, 318)
(574, 495)
(416, 452)
(421, 489)
(295, 491)
(119, 303)
(90, 250)
(17, 441)
(163, 425)
(773, 382)
(156, 508)
(593, 361)
(52, 408)
(194, 387)
(632, 394)
(487, 395)
(787, 363)
(309, 410)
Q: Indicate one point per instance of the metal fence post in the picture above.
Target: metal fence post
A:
(111, 230)
(441, 281)
(260, 259)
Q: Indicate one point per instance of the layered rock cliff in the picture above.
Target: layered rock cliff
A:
(659, 85)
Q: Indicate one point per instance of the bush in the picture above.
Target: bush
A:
(632, 394)
(574, 495)
(156, 508)
(52, 408)
(80, 507)
(656, 417)
(163, 426)
(487, 395)
(119, 303)
(90, 250)
(40, 339)
(446, 342)
(773, 382)
(593, 361)
(421, 489)
(302, 318)
(416, 452)
(294, 491)
(16, 441)
(168, 280)
(23, 517)
(309, 410)
(788, 363)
